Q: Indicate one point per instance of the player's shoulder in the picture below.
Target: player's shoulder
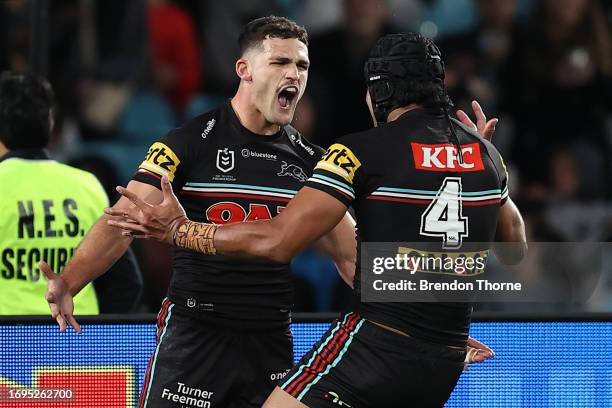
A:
(197, 129)
(360, 142)
(487, 148)
(302, 145)
(471, 136)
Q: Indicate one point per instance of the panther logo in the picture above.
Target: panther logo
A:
(292, 170)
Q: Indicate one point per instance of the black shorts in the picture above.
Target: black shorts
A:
(358, 364)
(199, 365)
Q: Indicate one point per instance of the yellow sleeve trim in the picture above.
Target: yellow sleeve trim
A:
(341, 161)
(161, 160)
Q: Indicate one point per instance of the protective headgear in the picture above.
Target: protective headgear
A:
(396, 59)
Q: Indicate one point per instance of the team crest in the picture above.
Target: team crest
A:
(292, 170)
(225, 160)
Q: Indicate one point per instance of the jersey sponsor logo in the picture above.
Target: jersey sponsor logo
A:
(299, 142)
(209, 127)
(161, 160)
(292, 170)
(188, 396)
(279, 376)
(246, 153)
(341, 161)
(443, 157)
(228, 212)
(225, 160)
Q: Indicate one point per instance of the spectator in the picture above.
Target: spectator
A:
(337, 57)
(558, 85)
(222, 20)
(175, 52)
(473, 59)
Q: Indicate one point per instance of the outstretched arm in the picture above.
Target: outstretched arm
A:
(309, 215)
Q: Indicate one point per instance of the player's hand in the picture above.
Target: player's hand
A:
(59, 299)
(485, 128)
(157, 222)
(477, 352)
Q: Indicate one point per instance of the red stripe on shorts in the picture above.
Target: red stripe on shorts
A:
(161, 322)
(325, 358)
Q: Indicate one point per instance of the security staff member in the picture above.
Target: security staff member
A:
(45, 207)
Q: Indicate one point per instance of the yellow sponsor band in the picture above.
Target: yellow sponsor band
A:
(161, 160)
(341, 161)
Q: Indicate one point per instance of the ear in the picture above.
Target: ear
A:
(243, 70)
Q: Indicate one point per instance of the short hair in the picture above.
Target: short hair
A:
(253, 34)
(26, 100)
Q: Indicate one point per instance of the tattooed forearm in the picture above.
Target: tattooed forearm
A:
(196, 237)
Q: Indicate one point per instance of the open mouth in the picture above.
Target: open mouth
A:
(287, 95)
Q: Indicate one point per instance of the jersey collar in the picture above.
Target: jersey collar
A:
(27, 154)
(244, 134)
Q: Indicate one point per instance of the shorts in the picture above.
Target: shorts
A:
(196, 364)
(358, 364)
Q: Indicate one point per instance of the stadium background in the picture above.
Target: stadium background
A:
(125, 72)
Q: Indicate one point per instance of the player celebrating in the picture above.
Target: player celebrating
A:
(223, 332)
(376, 354)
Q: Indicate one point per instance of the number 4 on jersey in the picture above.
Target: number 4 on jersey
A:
(444, 217)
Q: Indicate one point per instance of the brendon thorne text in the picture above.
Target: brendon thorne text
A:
(425, 285)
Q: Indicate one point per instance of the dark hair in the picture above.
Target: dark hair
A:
(270, 27)
(426, 93)
(26, 100)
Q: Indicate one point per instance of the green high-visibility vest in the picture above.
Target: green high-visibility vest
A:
(46, 208)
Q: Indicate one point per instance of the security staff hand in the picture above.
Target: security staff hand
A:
(157, 222)
(477, 352)
(59, 299)
(483, 127)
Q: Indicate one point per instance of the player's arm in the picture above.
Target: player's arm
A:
(310, 215)
(510, 230)
(341, 245)
(100, 248)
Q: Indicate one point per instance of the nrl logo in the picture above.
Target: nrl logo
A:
(292, 170)
(225, 160)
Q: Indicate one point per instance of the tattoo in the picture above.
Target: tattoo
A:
(196, 237)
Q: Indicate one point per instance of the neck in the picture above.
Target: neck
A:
(248, 114)
(3, 149)
(396, 113)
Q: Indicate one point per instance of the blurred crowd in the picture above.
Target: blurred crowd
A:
(125, 72)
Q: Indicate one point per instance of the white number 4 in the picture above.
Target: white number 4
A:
(444, 217)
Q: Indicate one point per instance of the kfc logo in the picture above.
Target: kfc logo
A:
(443, 157)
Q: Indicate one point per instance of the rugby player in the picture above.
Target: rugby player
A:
(376, 354)
(223, 334)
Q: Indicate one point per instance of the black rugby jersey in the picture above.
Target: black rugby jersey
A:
(223, 173)
(391, 175)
